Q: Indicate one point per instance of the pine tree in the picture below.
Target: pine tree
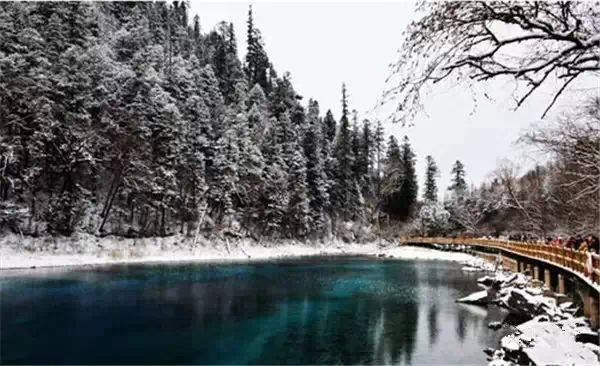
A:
(224, 187)
(258, 114)
(390, 190)
(431, 173)
(356, 148)
(275, 196)
(298, 212)
(250, 165)
(365, 159)
(400, 186)
(345, 200)
(257, 62)
(316, 178)
(409, 189)
(225, 63)
(329, 166)
(458, 186)
(329, 126)
(378, 147)
(284, 99)
(287, 135)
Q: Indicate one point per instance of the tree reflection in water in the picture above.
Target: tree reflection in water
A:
(316, 311)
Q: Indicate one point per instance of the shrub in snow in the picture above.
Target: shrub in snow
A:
(433, 219)
(11, 215)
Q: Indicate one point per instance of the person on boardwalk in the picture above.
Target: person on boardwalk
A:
(593, 243)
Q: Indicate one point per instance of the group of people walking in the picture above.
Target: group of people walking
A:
(590, 243)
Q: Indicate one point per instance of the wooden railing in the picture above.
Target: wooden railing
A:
(567, 258)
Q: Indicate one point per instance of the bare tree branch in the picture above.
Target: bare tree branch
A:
(479, 40)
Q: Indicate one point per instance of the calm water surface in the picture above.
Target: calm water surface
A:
(307, 311)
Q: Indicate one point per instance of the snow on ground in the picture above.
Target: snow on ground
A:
(27, 252)
(554, 335)
(406, 252)
(552, 343)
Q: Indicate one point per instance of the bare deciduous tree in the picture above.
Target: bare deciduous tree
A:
(575, 143)
(470, 210)
(530, 196)
(531, 42)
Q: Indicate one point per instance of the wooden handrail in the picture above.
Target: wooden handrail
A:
(564, 257)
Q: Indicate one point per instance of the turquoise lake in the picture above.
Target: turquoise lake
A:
(323, 310)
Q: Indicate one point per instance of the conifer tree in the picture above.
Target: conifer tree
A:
(275, 196)
(226, 64)
(345, 200)
(365, 158)
(318, 185)
(257, 62)
(458, 184)
(409, 189)
(356, 147)
(298, 212)
(393, 181)
(400, 185)
(258, 115)
(284, 99)
(329, 126)
(378, 148)
(431, 173)
(329, 166)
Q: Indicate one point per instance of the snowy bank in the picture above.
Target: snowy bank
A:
(554, 334)
(80, 250)
(546, 342)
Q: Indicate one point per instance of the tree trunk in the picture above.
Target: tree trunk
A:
(110, 197)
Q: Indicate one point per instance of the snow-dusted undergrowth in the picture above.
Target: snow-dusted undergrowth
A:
(81, 249)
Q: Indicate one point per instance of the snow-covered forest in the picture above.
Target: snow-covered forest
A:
(127, 119)
(124, 118)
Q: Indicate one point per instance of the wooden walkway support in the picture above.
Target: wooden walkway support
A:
(537, 257)
(568, 259)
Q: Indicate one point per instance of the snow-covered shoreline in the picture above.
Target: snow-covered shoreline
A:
(556, 332)
(87, 250)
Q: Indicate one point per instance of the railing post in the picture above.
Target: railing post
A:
(565, 257)
(594, 310)
(561, 284)
(547, 278)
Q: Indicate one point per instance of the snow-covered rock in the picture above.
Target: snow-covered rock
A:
(495, 325)
(498, 359)
(478, 298)
(550, 343)
(552, 336)
(478, 265)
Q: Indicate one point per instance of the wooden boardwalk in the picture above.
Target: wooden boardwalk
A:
(586, 266)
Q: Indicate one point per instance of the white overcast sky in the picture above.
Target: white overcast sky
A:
(323, 44)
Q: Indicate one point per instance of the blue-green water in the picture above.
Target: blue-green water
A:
(307, 311)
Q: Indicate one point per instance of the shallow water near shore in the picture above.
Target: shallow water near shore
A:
(321, 310)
